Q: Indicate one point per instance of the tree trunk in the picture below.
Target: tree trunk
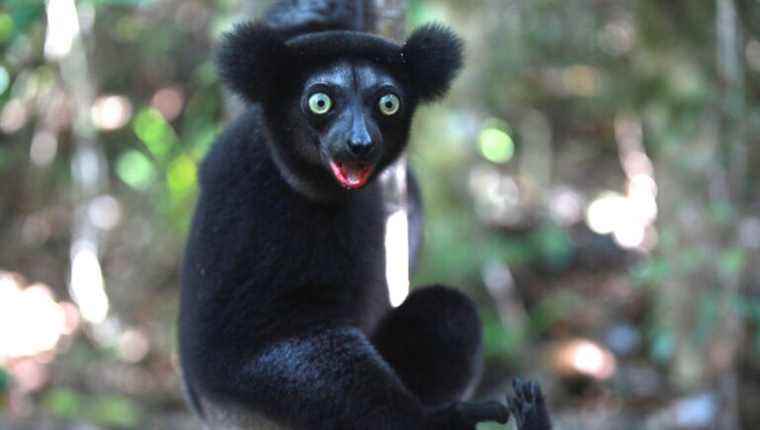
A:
(729, 332)
(64, 44)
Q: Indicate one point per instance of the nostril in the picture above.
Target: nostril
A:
(360, 148)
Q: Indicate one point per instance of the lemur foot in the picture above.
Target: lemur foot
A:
(528, 407)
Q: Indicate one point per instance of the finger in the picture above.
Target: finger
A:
(535, 392)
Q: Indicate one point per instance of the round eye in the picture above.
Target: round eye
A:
(389, 104)
(320, 103)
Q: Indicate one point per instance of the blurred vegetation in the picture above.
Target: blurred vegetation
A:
(592, 181)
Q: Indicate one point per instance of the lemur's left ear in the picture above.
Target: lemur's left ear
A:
(433, 57)
(250, 59)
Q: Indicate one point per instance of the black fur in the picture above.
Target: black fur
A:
(284, 314)
(257, 60)
(251, 59)
(413, 340)
(433, 55)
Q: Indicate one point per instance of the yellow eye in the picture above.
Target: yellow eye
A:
(389, 104)
(320, 103)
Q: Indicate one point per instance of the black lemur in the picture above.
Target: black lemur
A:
(285, 320)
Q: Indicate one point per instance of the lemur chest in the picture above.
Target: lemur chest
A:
(338, 249)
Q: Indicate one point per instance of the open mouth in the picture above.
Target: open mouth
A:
(352, 175)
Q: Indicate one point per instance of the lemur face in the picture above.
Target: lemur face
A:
(337, 104)
(358, 117)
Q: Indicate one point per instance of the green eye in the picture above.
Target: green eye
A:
(389, 104)
(320, 103)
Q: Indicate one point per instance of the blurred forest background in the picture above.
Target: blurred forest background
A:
(592, 181)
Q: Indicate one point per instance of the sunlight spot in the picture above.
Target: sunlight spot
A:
(62, 28)
(586, 358)
(31, 321)
(86, 284)
(603, 214)
(397, 256)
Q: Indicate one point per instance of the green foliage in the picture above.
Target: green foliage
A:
(555, 308)
(157, 135)
(5, 381)
(663, 345)
(64, 403)
(732, 261)
(105, 410)
(17, 18)
(6, 27)
(135, 169)
(651, 272)
(501, 342)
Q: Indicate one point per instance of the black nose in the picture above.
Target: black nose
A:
(360, 147)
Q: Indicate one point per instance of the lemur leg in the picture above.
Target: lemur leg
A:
(325, 378)
(433, 341)
(330, 378)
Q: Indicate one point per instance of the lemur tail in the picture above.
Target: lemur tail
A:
(295, 17)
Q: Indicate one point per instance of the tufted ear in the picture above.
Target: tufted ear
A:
(250, 58)
(433, 57)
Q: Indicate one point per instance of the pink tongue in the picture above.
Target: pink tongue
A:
(351, 176)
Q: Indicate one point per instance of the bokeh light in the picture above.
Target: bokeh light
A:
(5, 79)
(31, 321)
(496, 145)
(86, 284)
(13, 116)
(111, 112)
(44, 148)
(169, 101)
(104, 212)
(63, 28)
(135, 169)
(604, 213)
(583, 357)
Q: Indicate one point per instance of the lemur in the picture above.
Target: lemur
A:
(285, 320)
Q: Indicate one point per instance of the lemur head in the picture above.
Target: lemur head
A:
(338, 105)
